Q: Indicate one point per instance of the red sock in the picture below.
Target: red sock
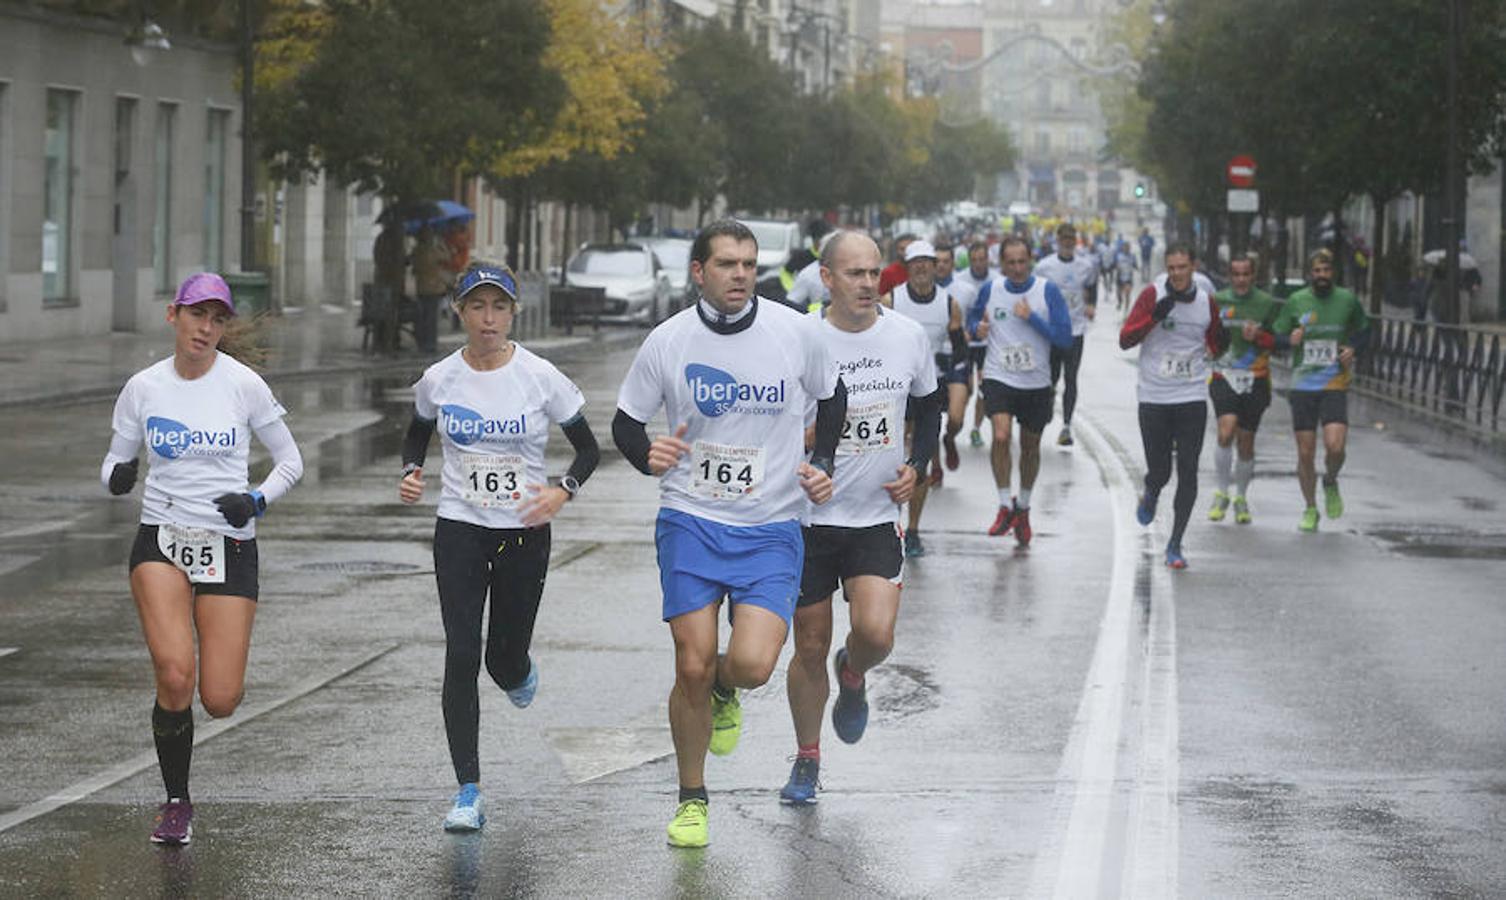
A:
(809, 751)
(850, 679)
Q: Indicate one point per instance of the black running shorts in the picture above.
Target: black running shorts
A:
(834, 554)
(241, 564)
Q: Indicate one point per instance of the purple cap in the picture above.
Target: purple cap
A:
(204, 286)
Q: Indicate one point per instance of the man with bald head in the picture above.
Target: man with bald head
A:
(853, 541)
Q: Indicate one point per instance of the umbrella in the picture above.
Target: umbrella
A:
(437, 214)
(1439, 257)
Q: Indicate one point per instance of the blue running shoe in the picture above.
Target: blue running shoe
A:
(1174, 557)
(849, 715)
(803, 784)
(466, 814)
(1145, 513)
(522, 695)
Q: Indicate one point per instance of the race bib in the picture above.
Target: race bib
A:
(1182, 366)
(866, 429)
(1017, 358)
(1320, 353)
(492, 481)
(1241, 380)
(197, 552)
(724, 471)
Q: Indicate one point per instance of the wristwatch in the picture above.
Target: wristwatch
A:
(409, 468)
(570, 486)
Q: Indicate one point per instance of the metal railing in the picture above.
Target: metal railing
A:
(1455, 371)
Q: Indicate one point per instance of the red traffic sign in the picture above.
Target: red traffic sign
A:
(1241, 171)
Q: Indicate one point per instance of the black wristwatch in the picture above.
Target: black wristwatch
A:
(569, 485)
(409, 468)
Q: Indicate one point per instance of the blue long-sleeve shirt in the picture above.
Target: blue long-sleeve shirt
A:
(1057, 328)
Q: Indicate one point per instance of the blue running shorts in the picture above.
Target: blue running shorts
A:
(700, 561)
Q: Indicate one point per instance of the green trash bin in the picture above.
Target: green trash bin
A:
(252, 292)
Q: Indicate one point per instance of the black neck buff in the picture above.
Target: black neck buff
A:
(919, 299)
(1186, 296)
(721, 323)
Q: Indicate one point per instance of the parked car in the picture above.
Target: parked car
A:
(777, 239)
(637, 286)
(674, 256)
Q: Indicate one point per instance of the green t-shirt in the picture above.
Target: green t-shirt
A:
(1328, 323)
(1257, 306)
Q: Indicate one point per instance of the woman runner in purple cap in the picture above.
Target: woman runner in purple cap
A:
(193, 565)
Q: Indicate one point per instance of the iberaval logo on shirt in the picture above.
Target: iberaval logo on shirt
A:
(171, 439)
(466, 426)
(716, 392)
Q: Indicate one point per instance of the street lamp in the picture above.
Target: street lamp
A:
(146, 40)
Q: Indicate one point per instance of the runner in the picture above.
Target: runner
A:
(1326, 328)
(1240, 386)
(957, 392)
(940, 316)
(1076, 276)
(896, 272)
(854, 540)
(1022, 317)
(493, 401)
(193, 565)
(1178, 326)
(974, 277)
(733, 376)
(1124, 273)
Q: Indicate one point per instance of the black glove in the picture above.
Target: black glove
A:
(123, 476)
(1163, 308)
(238, 509)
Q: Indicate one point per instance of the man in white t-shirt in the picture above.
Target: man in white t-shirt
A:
(854, 540)
(733, 375)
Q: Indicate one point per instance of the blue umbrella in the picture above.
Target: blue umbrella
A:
(438, 214)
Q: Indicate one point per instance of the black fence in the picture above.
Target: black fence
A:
(1455, 371)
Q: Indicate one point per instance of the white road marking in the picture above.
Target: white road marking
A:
(142, 761)
(6, 651)
(1071, 859)
(591, 753)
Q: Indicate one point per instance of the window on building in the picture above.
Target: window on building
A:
(1043, 93)
(125, 137)
(215, 135)
(57, 197)
(1043, 141)
(1077, 140)
(162, 189)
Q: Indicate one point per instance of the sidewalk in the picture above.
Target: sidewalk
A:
(314, 340)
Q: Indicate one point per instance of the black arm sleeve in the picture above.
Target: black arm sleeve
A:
(631, 437)
(416, 441)
(587, 452)
(927, 428)
(830, 414)
(959, 344)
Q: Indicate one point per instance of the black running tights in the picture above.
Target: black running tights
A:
(470, 563)
(1071, 357)
(1168, 427)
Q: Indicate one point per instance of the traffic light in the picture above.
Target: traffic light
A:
(1139, 189)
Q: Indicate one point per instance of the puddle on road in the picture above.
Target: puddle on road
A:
(1440, 542)
(903, 691)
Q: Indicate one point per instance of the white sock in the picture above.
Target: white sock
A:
(1244, 472)
(1223, 461)
(1024, 498)
(1004, 498)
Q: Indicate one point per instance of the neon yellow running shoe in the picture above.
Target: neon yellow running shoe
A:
(1333, 504)
(1220, 505)
(1241, 511)
(688, 827)
(1309, 521)
(726, 723)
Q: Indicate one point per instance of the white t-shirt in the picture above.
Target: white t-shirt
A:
(493, 426)
(964, 279)
(934, 315)
(1174, 362)
(882, 367)
(743, 397)
(1018, 355)
(1072, 277)
(808, 287)
(198, 438)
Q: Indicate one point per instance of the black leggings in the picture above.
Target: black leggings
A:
(1072, 357)
(469, 562)
(1165, 427)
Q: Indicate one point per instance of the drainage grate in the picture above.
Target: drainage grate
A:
(359, 567)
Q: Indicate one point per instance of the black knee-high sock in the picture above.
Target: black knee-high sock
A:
(173, 733)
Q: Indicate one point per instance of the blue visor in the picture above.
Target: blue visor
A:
(487, 275)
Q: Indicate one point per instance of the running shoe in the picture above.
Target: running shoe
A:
(466, 814)
(1174, 557)
(688, 827)
(1002, 522)
(804, 781)
(174, 823)
(935, 479)
(1145, 512)
(975, 438)
(522, 695)
(1220, 506)
(1065, 438)
(913, 546)
(949, 443)
(726, 722)
(1333, 504)
(1309, 521)
(1021, 525)
(849, 715)
(1241, 511)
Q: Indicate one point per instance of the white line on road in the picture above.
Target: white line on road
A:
(1070, 862)
(7, 651)
(118, 773)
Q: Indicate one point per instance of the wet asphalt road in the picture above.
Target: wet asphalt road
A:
(1294, 715)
